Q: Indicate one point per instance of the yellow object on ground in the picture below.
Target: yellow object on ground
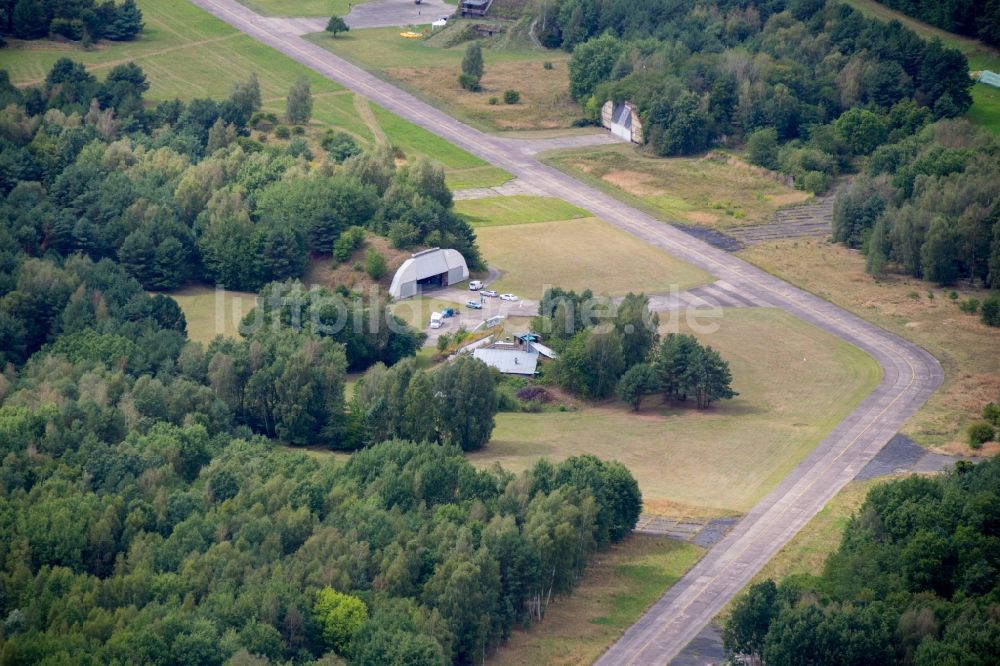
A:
(411, 35)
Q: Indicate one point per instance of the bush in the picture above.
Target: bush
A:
(349, 241)
(953, 295)
(263, 121)
(980, 432)
(990, 311)
(469, 82)
(494, 101)
(282, 132)
(299, 148)
(991, 413)
(375, 264)
(298, 130)
(816, 182)
(68, 28)
(511, 97)
(339, 145)
(534, 394)
(547, 65)
(969, 305)
(762, 148)
(442, 342)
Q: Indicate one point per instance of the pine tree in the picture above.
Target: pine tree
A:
(298, 109)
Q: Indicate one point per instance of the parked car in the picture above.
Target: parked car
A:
(508, 297)
(448, 312)
(474, 305)
(489, 292)
(475, 285)
(437, 320)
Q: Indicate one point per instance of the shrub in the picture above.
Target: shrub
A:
(469, 82)
(299, 148)
(68, 28)
(511, 97)
(263, 121)
(990, 310)
(282, 132)
(375, 264)
(816, 182)
(442, 343)
(298, 130)
(991, 413)
(547, 65)
(969, 305)
(348, 241)
(980, 432)
(953, 295)
(762, 148)
(339, 145)
(534, 394)
(494, 101)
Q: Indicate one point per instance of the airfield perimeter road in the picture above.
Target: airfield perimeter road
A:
(910, 374)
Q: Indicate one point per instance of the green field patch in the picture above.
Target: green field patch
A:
(727, 457)
(415, 139)
(484, 176)
(210, 312)
(985, 110)
(297, 8)
(519, 209)
(580, 254)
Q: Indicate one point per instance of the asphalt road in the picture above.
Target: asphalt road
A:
(910, 374)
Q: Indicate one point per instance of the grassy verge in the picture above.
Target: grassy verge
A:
(211, 312)
(614, 592)
(968, 350)
(724, 458)
(580, 254)
(692, 190)
(300, 7)
(985, 109)
(485, 176)
(520, 209)
(430, 68)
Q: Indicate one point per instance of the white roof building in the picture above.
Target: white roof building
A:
(430, 268)
(508, 361)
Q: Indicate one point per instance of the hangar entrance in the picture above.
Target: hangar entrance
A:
(430, 269)
(434, 281)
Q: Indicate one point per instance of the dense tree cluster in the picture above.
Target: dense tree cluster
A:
(453, 405)
(929, 206)
(77, 20)
(822, 80)
(975, 18)
(606, 348)
(914, 582)
(178, 192)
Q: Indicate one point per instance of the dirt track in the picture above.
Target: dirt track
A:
(910, 373)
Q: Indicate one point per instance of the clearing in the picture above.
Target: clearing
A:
(969, 351)
(715, 190)
(429, 69)
(187, 53)
(211, 312)
(579, 254)
(725, 458)
(616, 588)
(518, 209)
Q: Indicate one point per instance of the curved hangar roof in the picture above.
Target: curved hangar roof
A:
(450, 264)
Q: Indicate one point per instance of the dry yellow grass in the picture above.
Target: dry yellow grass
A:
(211, 312)
(712, 190)
(615, 590)
(545, 102)
(724, 458)
(968, 350)
(351, 273)
(580, 254)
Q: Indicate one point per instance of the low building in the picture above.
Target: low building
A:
(429, 269)
(475, 7)
(622, 119)
(509, 361)
(990, 78)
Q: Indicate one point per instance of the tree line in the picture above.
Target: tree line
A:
(77, 20)
(914, 581)
(179, 192)
(927, 206)
(794, 75)
(974, 18)
(610, 349)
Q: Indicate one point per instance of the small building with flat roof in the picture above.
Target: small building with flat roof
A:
(427, 270)
(508, 361)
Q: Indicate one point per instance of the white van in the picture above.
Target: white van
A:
(437, 320)
(475, 285)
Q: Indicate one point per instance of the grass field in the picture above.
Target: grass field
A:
(300, 7)
(724, 458)
(211, 312)
(616, 589)
(985, 109)
(520, 209)
(968, 350)
(580, 254)
(429, 69)
(693, 190)
(417, 311)
(188, 53)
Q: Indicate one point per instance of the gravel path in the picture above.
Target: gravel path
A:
(910, 374)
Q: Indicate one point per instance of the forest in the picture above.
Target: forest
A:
(928, 207)
(85, 21)
(974, 18)
(814, 84)
(151, 508)
(914, 581)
